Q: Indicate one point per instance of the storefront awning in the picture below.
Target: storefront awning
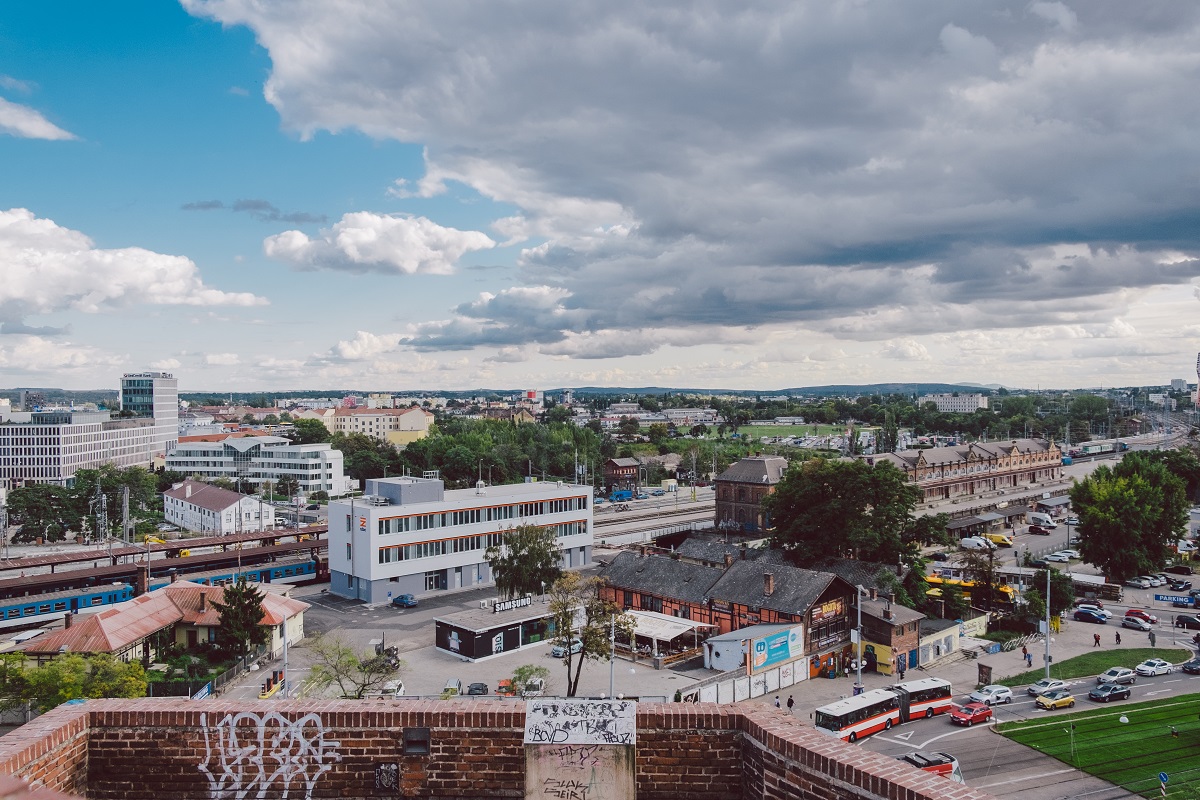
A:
(1055, 502)
(661, 627)
(988, 516)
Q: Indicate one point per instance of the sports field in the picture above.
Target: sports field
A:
(1128, 744)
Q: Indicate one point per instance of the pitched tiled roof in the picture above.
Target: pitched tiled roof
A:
(119, 627)
(204, 495)
(756, 469)
(962, 454)
(901, 615)
(858, 573)
(624, 462)
(795, 589)
(661, 575)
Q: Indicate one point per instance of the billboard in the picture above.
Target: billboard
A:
(776, 648)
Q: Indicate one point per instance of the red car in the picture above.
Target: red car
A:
(1142, 615)
(971, 713)
(1038, 530)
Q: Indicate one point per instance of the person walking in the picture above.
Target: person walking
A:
(1118, 637)
(777, 701)
(1024, 652)
(1029, 660)
(791, 704)
(1096, 637)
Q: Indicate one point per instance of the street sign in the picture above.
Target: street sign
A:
(1162, 776)
(1171, 598)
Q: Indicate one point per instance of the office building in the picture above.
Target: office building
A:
(50, 444)
(258, 459)
(410, 535)
(956, 403)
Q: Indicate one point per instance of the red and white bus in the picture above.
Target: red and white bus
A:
(942, 764)
(880, 709)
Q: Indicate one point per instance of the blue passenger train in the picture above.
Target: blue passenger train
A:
(41, 609)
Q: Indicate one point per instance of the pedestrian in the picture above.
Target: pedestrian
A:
(902, 669)
(1118, 637)
(1024, 652)
(791, 704)
(1152, 638)
(1096, 637)
(777, 701)
(1029, 660)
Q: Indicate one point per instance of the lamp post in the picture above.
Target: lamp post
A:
(1047, 622)
(612, 652)
(858, 685)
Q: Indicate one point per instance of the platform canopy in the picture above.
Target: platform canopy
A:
(661, 627)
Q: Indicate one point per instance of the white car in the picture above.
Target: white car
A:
(1071, 553)
(1059, 557)
(1153, 580)
(1138, 583)
(1072, 520)
(1095, 609)
(992, 695)
(1154, 666)
(1046, 685)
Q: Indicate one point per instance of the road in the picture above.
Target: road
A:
(997, 765)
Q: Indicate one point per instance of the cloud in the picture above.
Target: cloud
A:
(36, 354)
(239, 91)
(367, 242)
(48, 268)
(16, 85)
(26, 123)
(222, 359)
(364, 346)
(868, 175)
(261, 210)
(166, 363)
(203, 205)
(8, 327)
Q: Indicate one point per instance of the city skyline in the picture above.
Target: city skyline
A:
(263, 196)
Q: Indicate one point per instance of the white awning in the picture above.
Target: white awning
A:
(661, 627)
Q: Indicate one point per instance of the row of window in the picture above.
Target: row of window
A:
(462, 544)
(422, 522)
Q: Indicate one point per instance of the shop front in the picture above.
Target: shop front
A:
(501, 627)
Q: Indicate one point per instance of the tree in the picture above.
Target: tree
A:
(43, 511)
(629, 426)
(73, 676)
(525, 673)
(14, 681)
(558, 414)
(1130, 515)
(578, 612)
(889, 435)
(309, 431)
(270, 419)
(287, 486)
(525, 561)
(657, 432)
(955, 605)
(698, 431)
(335, 662)
(241, 618)
(825, 509)
(979, 566)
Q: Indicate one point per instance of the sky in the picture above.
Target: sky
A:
(401, 196)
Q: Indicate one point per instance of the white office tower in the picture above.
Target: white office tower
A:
(50, 445)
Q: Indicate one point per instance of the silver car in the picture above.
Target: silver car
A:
(1117, 675)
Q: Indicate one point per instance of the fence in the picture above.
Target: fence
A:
(731, 687)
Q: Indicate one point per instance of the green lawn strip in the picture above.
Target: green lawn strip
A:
(1093, 663)
(1130, 754)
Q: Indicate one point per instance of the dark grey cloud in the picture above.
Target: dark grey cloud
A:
(33, 330)
(867, 170)
(261, 210)
(203, 205)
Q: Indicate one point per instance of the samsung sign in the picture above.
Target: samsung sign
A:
(509, 605)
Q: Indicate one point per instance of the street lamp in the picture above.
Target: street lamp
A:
(858, 685)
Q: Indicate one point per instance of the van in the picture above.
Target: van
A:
(1001, 539)
(976, 543)
(1038, 518)
(453, 686)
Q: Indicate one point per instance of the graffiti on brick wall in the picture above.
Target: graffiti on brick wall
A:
(572, 721)
(247, 754)
(580, 772)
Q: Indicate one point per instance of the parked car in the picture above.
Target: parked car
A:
(975, 543)
(1179, 584)
(1138, 583)
(991, 695)
(313, 507)
(1087, 615)
(1117, 675)
(390, 690)
(1153, 580)
(1095, 609)
(1072, 520)
(453, 686)
(1109, 691)
(1181, 602)
(971, 713)
(1137, 612)
(1154, 666)
(1136, 624)
(1059, 698)
(1046, 685)
(942, 764)
(505, 688)
(658, 493)
(940, 556)
(1179, 569)
(1061, 558)
(1068, 552)
(1189, 621)
(1191, 667)
(477, 688)
(1038, 530)
(559, 650)
(534, 687)
(1039, 563)
(642, 496)
(404, 601)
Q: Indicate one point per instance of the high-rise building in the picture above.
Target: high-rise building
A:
(52, 444)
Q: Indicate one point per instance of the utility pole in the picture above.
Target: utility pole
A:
(125, 514)
(1047, 622)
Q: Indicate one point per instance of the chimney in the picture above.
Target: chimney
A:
(645, 551)
(728, 560)
(203, 598)
(874, 593)
(768, 584)
(67, 620)
(743, 554)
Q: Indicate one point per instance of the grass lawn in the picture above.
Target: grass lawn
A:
(1130, 753)
(1092, 664)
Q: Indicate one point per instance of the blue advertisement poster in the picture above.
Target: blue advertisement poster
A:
(777, 648)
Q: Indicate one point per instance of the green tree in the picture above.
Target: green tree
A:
(43, 511)
(525, 561)
(309, 431)
(558, 414)
(1130, 515)
(270, 419)
(14, 681)
(657, 432)
(335, 662)
(889, 435)
(629, 426)
(578, 612)
(824, 509)
(73, 676)
(241, 615)
(954, 604)
(525, 673)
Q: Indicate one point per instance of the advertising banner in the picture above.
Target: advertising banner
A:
(776, 648)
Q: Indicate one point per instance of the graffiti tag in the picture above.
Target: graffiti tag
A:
(247, 754)
(580, 722)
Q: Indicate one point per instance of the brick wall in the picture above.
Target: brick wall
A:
(172, 749)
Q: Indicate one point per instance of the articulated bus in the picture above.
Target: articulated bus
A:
(1004, 594)
(880, 709)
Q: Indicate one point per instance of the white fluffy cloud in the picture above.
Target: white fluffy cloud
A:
(222, 359)
(366, 242)
(26, 123)
(48, 268)
(37, 354)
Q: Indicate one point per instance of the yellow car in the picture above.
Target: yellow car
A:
(1060, 698)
